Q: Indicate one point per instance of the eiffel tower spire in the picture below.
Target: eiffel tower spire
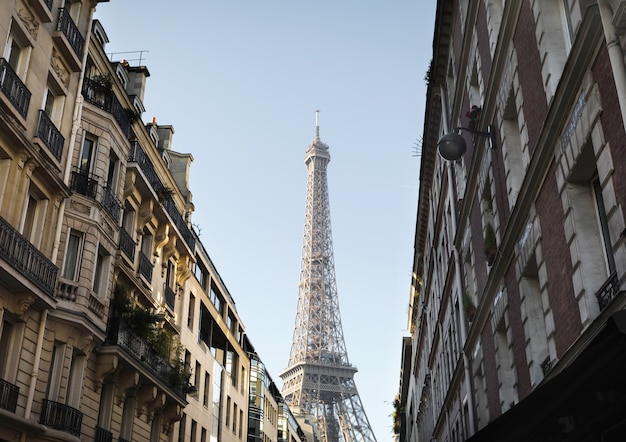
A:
(319, 381)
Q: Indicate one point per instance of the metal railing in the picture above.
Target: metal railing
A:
(170, 297)
(608, 290)
(67, 26)
(145, 266)
(84, 183)
(61, 417)
(8, 395)
(137, 155)
(50, 135)
(103, 97)
(103, 435)
(120, 333)
(127, 245)
(26, 258)
(48, 3)
(13, 88)
(111, 204)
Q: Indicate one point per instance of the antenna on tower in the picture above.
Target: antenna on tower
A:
(317, 125)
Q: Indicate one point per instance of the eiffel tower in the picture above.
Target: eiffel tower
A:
(319, 381)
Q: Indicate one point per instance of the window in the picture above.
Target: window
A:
(75, 379)
(128, 415)
(234, 417)
(231, 322)
(232, 363)
(240, 424)
(106, 405)
(111, 181)
(191, 310)
(17, 51)
(216, 299)
(54, 102)
(207, 384)
(203, 435)
(11, 335)
(201, 273)
(227, 423)
(197, 375)
(73, 252)
(155, 428)
(86, 155)
(56, 368)
(182, 426)
(101, 272)
(194, 430)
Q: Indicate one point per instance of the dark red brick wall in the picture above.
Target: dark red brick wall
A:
(556, 255)
(612, 123)
(483, 42)
(529, 68)
(491, 373)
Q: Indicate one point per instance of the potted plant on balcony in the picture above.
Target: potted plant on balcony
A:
(491, 247)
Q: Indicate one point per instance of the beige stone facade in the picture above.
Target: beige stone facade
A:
(114, 322)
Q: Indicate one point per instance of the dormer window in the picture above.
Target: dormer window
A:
(121, 74)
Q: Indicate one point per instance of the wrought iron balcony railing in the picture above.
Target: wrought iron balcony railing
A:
(26, 258)
(50, 135)
(170, 297)
(137, 155)
(103, 435)
(61, 417)
(8, 395)
(145, 266)
(120, 333)
(84, 183)
(67, 26)
(48, 3)
(111, 204)
(13, 88)
(127, 245)
(608, 291)
(103, 97)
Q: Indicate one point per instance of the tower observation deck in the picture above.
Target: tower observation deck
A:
(319, 381)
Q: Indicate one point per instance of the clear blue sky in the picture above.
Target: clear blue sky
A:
(240, 82)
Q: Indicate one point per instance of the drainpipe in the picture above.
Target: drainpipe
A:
(76, 118)
(35, 373)
(452, 195)
(616, 55)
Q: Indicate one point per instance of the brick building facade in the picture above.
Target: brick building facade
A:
(519, 248)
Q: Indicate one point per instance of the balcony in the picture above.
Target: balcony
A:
(127, 245)
(84, 183)
(43, 8)
(145, 267)
(111, 204)
(119, 333)
(26, 258)
(170, 297)
(69, 40)
(103, 435)
(137, 155)
(50, 135)
(13, 88)
(61, 417)
(608, 291)
(102, 96)
(8, 395)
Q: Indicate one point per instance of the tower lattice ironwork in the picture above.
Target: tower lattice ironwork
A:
(319, 381)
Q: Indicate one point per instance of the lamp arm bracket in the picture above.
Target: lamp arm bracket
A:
(489, 134)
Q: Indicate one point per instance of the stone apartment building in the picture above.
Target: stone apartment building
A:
(114, 322)
(517, 310)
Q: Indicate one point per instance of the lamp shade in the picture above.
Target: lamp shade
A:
(452, 146)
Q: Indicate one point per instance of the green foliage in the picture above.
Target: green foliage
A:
(103, 80)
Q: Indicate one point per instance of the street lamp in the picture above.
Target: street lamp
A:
(452, 146)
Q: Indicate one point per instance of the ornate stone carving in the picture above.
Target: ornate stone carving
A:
(29, 21)
(24, 303)
(59, 68)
